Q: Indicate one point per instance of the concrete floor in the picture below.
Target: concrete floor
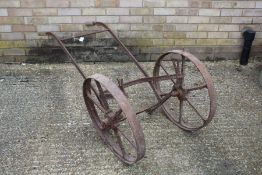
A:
(45, 128)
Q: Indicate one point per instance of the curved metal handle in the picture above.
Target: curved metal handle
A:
(130, 55)
(96, 23)
(67, 53)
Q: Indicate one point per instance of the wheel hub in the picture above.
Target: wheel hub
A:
(110, 121)
(178, 91)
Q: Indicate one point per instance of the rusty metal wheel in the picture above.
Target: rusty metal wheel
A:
(191, 98)
(114, 118)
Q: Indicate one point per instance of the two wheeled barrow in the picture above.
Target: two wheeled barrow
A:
(113, 116)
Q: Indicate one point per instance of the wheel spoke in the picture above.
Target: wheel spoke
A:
(164, 94)
(128, 139)
(119, 141)
(179, 71)
(121, 120)
(116, 117)
(102, 96)
(192, 106)
(182, 70)
(178, 67)
(174, 62)
(96, 94)
(117, 113)
(197, 88)
(159, 103)
(181, 106)
(183, 65)
(166, 72)
(97, 104)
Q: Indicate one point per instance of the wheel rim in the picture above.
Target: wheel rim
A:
(181, 93)
(114, 118)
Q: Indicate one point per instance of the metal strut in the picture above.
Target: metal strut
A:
(68, 54)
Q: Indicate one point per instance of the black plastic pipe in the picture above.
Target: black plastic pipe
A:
(249, 36)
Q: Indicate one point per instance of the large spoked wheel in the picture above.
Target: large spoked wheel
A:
(189, 94)
(114, 118)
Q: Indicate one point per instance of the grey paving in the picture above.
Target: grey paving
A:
(45, 128)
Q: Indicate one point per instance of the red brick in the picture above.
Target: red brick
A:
(107, 3)
(36, 20)
(34, 36)
(14, 51)
(59, 19)
(3, 12)
(9, 3)
(83, 19)
(19, 12)
(47, 28)
(154, 3)
(12, 36)
(71, 27)
(32, 3)
(5, 28)
(108, 19)
(23, 28)
(57, 3)
(82, 3)
(186, 12)
(133, 3)
(44, 12)
(11, 20)
(131, 19)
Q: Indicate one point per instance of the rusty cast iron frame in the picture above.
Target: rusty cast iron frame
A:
(98, 89)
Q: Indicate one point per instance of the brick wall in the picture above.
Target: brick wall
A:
(210, 29)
